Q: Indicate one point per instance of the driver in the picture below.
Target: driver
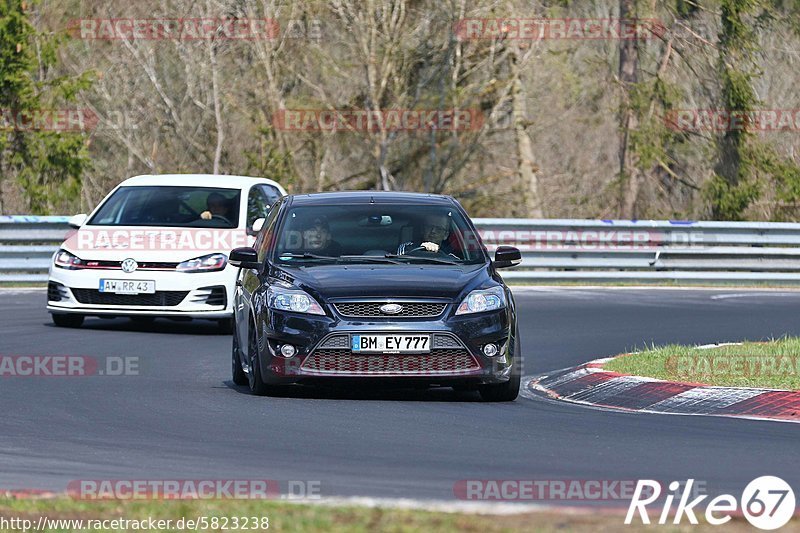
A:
(435, 231)
(217, 206)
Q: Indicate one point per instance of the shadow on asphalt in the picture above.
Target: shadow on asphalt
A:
(160, 325)
(365, 391)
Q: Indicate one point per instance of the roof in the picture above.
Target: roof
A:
(364, 197)
(197, 180)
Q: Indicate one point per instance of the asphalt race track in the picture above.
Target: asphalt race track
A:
(182, 418)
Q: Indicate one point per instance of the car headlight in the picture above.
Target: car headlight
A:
(64, 259)
(483, 300)
(293, 300)
(207, 263)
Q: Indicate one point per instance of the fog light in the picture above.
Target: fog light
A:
(287, 350)
(490, 350)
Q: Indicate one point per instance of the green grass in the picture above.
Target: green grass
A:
(774, 364)
(22, 284)
(312, 518)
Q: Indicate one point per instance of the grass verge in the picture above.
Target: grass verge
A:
(312, 518)
(774, 364)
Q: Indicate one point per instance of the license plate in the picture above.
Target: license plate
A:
(391, 343)
(127, 286)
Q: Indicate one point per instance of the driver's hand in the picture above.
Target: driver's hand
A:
(206, 215)
(430, 246)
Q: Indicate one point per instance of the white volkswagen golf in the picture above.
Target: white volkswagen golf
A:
(157, 246)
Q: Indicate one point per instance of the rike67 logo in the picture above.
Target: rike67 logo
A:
(767, 502)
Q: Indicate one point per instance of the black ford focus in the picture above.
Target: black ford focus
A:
(374, 285)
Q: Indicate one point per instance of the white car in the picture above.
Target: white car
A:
(157, 246)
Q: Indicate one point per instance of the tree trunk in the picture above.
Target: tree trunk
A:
(628, 66)
(212, 56)
(526, 169)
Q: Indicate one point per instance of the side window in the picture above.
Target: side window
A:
(257, 206)
(272, 193)
(265, 236)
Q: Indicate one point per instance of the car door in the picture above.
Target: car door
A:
(248, 280)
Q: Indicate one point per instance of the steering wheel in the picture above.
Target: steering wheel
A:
(418, 249)
(189, 208)
(220, 217)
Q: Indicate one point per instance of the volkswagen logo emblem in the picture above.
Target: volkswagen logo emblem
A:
(129, 265)
(391, 309)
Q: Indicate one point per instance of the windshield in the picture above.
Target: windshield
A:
(378, 233)
(190, 207)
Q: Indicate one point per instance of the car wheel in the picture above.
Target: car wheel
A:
(257, 385)
(225, 326)
(239, 376)
(67, 320)
(508, 391)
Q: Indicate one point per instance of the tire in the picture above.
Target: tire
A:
(257, 385)
(237, 373)
(225, 326)
(508, 391)
(67, 320)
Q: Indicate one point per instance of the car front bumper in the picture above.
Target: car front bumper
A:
(188, 295)
(323, 351)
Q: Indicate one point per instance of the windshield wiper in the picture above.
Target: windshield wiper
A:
(307, 256)
(422, 258)
(377, 258)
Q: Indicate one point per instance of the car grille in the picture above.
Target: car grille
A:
(373, 309)
(117, 265)
(158, 299)
(333, 356)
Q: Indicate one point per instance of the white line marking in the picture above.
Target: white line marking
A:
(555, 288)
(443, 506)
(754, 293)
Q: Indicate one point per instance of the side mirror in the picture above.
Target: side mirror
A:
(78, 220)
(507, 256)
(244, 258)
(256, 227)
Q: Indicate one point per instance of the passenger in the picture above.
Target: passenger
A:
(317, 238)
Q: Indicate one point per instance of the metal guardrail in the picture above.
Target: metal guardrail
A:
(648, 250)
(27, 244)
(553, 250)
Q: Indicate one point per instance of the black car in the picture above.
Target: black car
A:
(374, 285)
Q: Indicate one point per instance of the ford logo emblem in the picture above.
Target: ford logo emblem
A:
(391, 309)
(129, 265)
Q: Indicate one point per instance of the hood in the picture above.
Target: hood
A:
(400, 281)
